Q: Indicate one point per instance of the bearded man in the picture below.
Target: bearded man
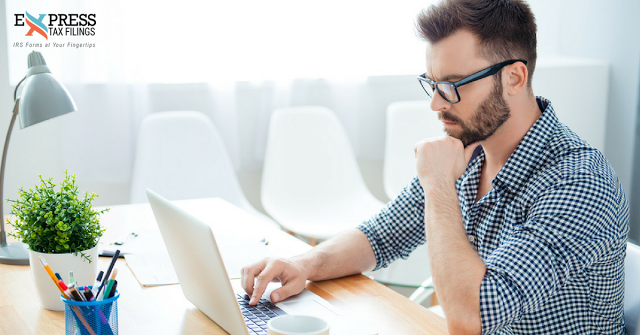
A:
(526, 224)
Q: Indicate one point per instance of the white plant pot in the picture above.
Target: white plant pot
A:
(83, 272)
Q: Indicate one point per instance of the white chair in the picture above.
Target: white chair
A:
(632, 289)
(407, 123)
(311, 183)
(180, 155)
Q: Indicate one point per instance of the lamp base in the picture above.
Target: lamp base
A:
(14, 254)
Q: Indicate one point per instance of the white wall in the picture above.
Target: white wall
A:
(6, 101)
(608, 31)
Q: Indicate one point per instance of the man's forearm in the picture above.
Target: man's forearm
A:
(455, 266)
(345, 254)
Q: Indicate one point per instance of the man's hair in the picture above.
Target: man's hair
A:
(506, 29)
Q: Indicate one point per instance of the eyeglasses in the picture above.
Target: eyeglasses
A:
(449, 91)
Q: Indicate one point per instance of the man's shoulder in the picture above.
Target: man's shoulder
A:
(569, 157)
(569, 154)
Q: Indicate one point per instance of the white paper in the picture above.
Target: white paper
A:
(152, 269)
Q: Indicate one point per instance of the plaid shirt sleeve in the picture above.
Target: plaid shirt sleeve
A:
(398, 228)
(568, 227)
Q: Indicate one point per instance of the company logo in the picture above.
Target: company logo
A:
(57, 24)
(36, 25)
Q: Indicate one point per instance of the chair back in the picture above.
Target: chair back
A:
(632, 289)
(311, 175)
(180, 155)
(407, 123)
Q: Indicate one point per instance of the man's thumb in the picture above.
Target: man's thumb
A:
(281, 294)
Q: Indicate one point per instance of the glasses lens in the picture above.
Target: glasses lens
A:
(448, 91)
(427, 88)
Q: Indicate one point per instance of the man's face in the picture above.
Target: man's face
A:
(482, 109)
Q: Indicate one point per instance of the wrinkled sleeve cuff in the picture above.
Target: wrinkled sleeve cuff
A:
(499, 303)
(368, 230)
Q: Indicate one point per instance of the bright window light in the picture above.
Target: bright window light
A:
(205, 41)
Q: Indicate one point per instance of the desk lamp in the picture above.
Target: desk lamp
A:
(42, 98)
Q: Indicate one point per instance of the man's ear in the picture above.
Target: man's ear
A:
(516, 75)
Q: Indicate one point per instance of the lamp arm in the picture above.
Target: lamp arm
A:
(16, 90)
(3, 234)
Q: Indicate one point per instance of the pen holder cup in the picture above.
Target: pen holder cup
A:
(91, 317)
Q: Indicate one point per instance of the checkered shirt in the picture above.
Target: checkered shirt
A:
(552, 233)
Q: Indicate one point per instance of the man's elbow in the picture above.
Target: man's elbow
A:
(464, 323)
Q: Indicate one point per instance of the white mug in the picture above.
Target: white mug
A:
(297, 325)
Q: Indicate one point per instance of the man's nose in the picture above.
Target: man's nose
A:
(438, 103)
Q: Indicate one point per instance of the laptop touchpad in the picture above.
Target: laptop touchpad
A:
(307, 307)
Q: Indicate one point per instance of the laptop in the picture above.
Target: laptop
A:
(204, 281)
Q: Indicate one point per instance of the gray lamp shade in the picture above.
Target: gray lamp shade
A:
(43, 96)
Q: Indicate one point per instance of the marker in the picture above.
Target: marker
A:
(58, 276)
(96, 285)
(113, 289)
(106, 277)
(89, 296)
(75, 293)
(107, 291)
(53, 276)
(79, 313)
(87, 293)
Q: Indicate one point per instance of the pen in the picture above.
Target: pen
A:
(96, 285)
(71, 279)
(125, 238)
(106, 277)
(107, 291)
(58, 276)
(53, 276)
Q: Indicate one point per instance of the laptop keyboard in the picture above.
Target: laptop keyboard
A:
(256, 317)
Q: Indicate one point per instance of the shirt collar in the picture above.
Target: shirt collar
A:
(530, 153)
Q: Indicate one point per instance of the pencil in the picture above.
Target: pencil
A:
(52, 275)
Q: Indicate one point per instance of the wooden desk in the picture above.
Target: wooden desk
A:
(165, 310)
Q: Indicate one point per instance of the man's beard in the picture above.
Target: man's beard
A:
(492, 113)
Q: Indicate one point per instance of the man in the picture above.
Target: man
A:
(525, 222)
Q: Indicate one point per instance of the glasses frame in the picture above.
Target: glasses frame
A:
(435, 85)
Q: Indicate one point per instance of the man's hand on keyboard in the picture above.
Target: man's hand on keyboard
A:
(256, 276)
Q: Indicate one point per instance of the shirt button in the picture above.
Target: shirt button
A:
(471, 238)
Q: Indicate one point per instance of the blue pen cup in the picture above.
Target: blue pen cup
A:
(91, 317)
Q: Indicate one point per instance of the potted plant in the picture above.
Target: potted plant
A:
(62, 227)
